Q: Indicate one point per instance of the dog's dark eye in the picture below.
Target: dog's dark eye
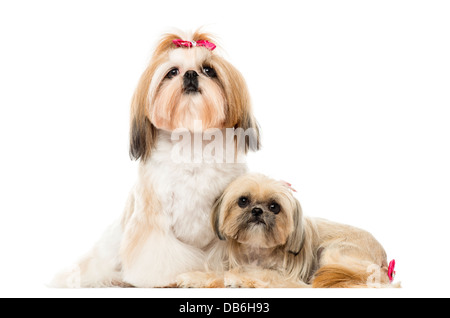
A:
(209, 71)
(243, 202)
(172, 73)
(274, 207)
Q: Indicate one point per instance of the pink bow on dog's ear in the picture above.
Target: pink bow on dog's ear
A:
(287, 184)
(391, 272)
(204, 43)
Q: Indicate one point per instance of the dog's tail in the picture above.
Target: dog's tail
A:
(352, 276)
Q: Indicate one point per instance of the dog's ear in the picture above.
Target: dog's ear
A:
(142, 132)
(215, 217)
(142, 138)
(238, 109)
(296, 238)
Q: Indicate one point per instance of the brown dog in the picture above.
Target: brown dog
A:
(267, 242)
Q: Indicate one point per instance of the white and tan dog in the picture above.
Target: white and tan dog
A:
(165, 229)
(267, 242)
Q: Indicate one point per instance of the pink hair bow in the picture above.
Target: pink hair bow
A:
(204, 43)
(287, 184)
(391, 272)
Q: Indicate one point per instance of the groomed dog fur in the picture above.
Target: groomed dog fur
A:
(165, 229)
(267, 242)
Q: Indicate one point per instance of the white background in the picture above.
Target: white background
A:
(352, 97)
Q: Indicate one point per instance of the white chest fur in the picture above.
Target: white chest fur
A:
(187, 191)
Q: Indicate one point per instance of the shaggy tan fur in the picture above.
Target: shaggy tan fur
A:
(287, 249)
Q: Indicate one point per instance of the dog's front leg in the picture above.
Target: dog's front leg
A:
(151, 255)
(160, 259)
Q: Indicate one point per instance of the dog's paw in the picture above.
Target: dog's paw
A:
(190, 280)
(199, 280)
(240, 280)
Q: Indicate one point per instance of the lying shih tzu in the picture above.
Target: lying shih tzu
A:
(267, 242)
(165, 229)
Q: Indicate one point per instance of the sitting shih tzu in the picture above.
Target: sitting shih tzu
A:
(165, 229)
(267, 242)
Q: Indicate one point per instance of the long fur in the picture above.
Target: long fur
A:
(311, 252)
(165, 229)
(340, 276)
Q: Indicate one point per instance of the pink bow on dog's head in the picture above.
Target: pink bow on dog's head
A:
(204, 43)
(287, 184)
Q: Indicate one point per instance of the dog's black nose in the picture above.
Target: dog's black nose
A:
(257, 211)
(190, 74)
(190, 82)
